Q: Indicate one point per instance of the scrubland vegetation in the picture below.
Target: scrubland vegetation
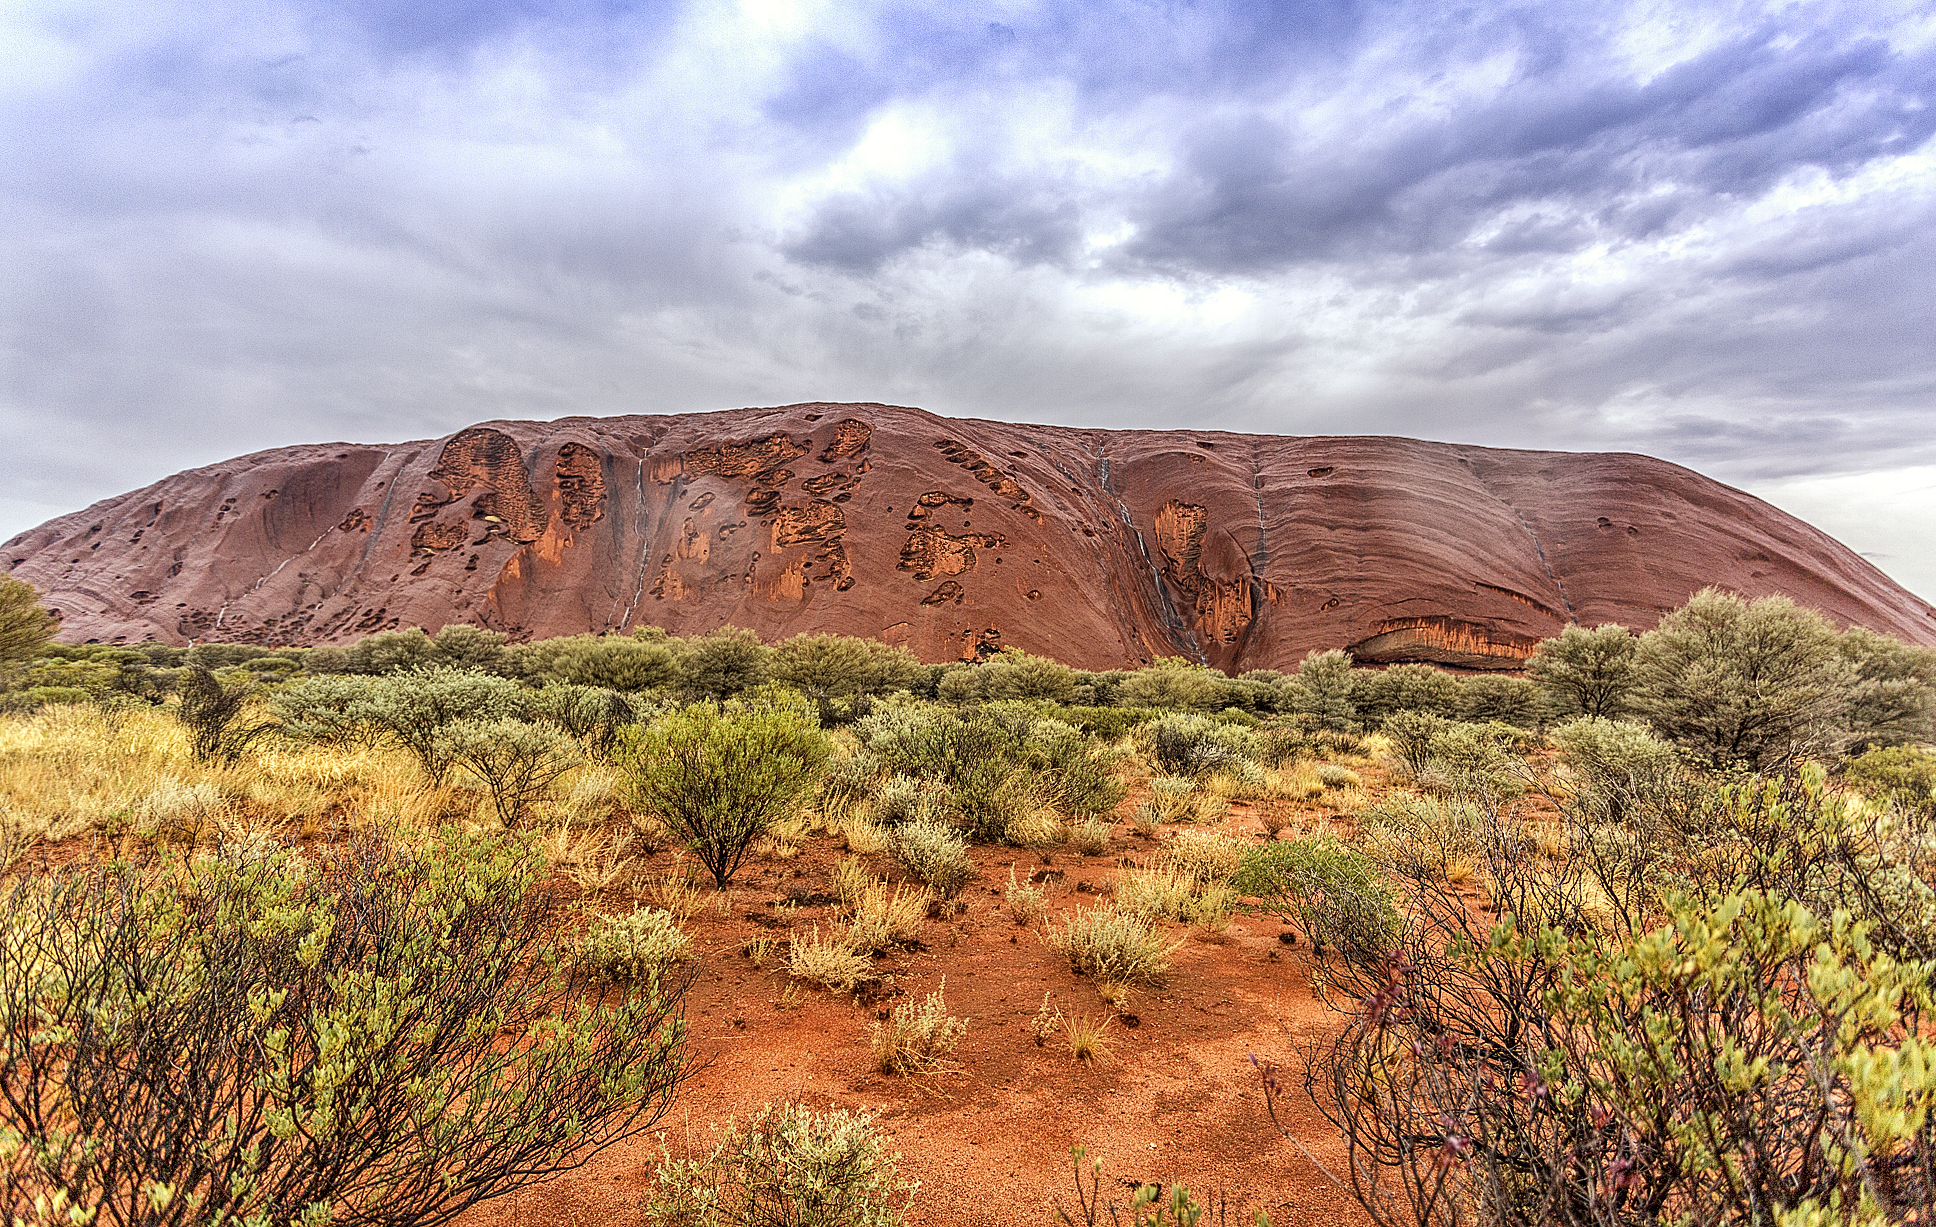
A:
(371, 934)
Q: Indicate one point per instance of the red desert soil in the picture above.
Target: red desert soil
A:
(1177, 1099)
(952, 537)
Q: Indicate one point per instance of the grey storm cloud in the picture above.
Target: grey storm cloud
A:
(1702, 231)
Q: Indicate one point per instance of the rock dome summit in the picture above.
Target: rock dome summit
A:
(953, 537)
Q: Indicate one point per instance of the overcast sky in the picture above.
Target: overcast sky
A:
(1700, 231)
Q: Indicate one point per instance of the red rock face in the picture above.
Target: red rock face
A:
(954, 538)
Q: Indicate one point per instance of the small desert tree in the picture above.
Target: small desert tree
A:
(1322, 691)
(414, 706)
(1758, 685)
(1586, 671)
(721, 664)
(210, 711)
(722, 780)
(24, 626)
(518, 762)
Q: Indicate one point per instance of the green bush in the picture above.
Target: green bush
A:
(1380, 693)
(413, 707)
(721, 779)
(721, 664)
(1411, 734)
(1322, 692)
(788, 1166)
(1589, 672)
(634, 947)
(271, 1039)
(1175, 683)
(1329, 890)
(1759, 685)
(936, 854)
(25, 627)
(390, 651)
(517, 762)
(1488, 698)
(468, 647)
(826, 667)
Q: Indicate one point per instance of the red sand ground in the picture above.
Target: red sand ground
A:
(1177, 1099)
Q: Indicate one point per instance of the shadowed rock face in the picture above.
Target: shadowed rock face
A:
(954, 538)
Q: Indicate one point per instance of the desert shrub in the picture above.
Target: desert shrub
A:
(1475, 761)
(591, 714)
(413, 707)
(904, 799)
(1173, 798)
(1193, 745)
(1113, 945)
(1206, 856)
(1902, 776)
(25, 627)
(1381, 693)
(241, 1040)
(1487, 698)
(722, 780)
(610, 662)
(829, 961)
(1410, 733)
(1107, 724)
(1614, 771)
(788, 1166)
(849, 780)
(724, 662)
(918, 1038)
(1322, 691)
(1024, 901)
(824, 666)
(1589, 672)
(212, 713)
(936, 854)
(1330, 775)
(1169, 893)
(320, 710)
(1758, 685)
(1894, 700)
(517, 762)
(1334, 894)
(1175, 683)
(390, 651)
(634, 946)
(468, 647)
(175, 810)
(849, 878)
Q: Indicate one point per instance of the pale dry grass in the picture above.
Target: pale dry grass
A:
(66, 771)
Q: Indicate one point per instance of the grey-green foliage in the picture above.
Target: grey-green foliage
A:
(413, 707)
(1379, 693)
(721, 664)
(212, 713)
(592, 714)
(1488, 698)
(1617, 770)
(1590, 672)
(1757, 685)
(516, 761)
(25, 627)
(634, 947)
(1411, 733)
(825, 666)
(1012, 674)
(389, 651)
(1894, 701)
(319, 709)
(1900, 776)
(936, 854)
(788, 1166)
(1194, 745)
(468, 647)
(1175, 683)
(1334, 893)
(721, 779)
(1322, 691)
